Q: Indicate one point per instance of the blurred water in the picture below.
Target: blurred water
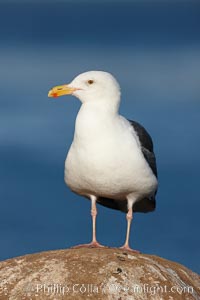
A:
(157, 62)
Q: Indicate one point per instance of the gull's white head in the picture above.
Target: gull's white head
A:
(89, 87)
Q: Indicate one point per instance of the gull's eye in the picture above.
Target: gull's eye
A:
(90, 81)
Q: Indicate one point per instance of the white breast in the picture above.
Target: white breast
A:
(105, 158)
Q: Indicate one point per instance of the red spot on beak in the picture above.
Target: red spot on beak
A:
(55, 95)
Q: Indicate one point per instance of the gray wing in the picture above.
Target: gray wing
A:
(146, 145)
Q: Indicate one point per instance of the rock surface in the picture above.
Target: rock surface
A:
(96, 274)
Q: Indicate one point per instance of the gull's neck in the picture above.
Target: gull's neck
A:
(108, 105)
(95, 119)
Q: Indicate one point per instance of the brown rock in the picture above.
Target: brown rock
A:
(96, 274)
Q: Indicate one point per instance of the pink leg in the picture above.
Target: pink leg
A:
(94, 243)
(129, 217)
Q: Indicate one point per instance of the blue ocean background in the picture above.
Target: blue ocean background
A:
(153, 49)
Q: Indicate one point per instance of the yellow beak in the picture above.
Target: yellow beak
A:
(61, 90)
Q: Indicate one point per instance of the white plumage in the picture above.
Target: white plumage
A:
(105, 158)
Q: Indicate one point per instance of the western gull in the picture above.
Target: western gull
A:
(111, 159)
